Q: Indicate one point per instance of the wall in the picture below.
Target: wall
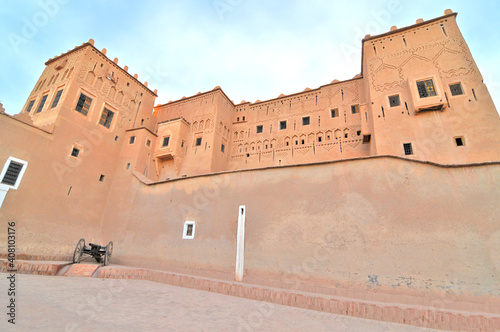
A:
(379, 223)
(60, 198)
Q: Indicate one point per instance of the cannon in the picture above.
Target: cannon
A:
(101, 254)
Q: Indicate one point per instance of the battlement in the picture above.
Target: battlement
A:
(103, 53)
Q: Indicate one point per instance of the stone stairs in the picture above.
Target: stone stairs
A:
(81, 270)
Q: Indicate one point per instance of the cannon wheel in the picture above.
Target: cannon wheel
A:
(77, 255)
(107, 254)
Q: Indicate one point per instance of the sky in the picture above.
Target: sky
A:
(253, 49)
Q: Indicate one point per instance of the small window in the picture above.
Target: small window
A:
(42, 103)
(282, 125)
(243, 118)
(408, 149)
(198, 141)
(106, 118)
(128, 166)
(302, 142)
(366, 139)
(188, 232)
(320, 138)
(148, 143)
(56, 98)
(30, 106)
(13, 172)
(334, 113)
(426, 88)
(132, 140)
(83, 104)
(75, 152)
(222, 148)
(259, 129)
(358, 133)
(166, 141)
(182, 144)
(287, 143)
(459, 141)
(394, 101)
(238, 119)
(116, 138)
(101, 178)
(354, 109)
(306, 121)
(456, 89)
(346, 135)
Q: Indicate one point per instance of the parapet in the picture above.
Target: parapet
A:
(103, 52)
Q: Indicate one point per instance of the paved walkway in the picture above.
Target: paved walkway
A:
(89, 304)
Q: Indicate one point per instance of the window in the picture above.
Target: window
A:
(132, 140)
(354, 109)
(198, 141)
(13, 172)
(366, 139)
(259, 129)
(166, 141)
(222, 148)
(408, 149)
(75, 152)
(148, 143)
(106, 118)
(459, 141)
(456, 89)
(30, 106)
(238, 119)
(334, 112)
(394, 101)
(282, 125)
(40, 106)
(188, 232)
(302, 141)
(320, 138)
(426, 88)
(306, 121)
(56, 98)
(116, 138)
(101, 178)
(182, 144)
(243, 118)
(83, 104)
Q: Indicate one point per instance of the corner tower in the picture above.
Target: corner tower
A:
(428, 99)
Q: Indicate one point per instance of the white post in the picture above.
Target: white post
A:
(240, 244)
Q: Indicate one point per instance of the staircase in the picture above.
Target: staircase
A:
(81, 270)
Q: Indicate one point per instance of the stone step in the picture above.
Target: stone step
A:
(81, 270)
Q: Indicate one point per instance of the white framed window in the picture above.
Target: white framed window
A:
(13, 172)
(188, 232)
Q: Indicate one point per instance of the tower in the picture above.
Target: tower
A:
(427, 97)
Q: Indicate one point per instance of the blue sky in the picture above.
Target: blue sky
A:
(253, 49)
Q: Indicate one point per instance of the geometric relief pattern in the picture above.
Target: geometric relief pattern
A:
(446, 59)
(386, 76)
